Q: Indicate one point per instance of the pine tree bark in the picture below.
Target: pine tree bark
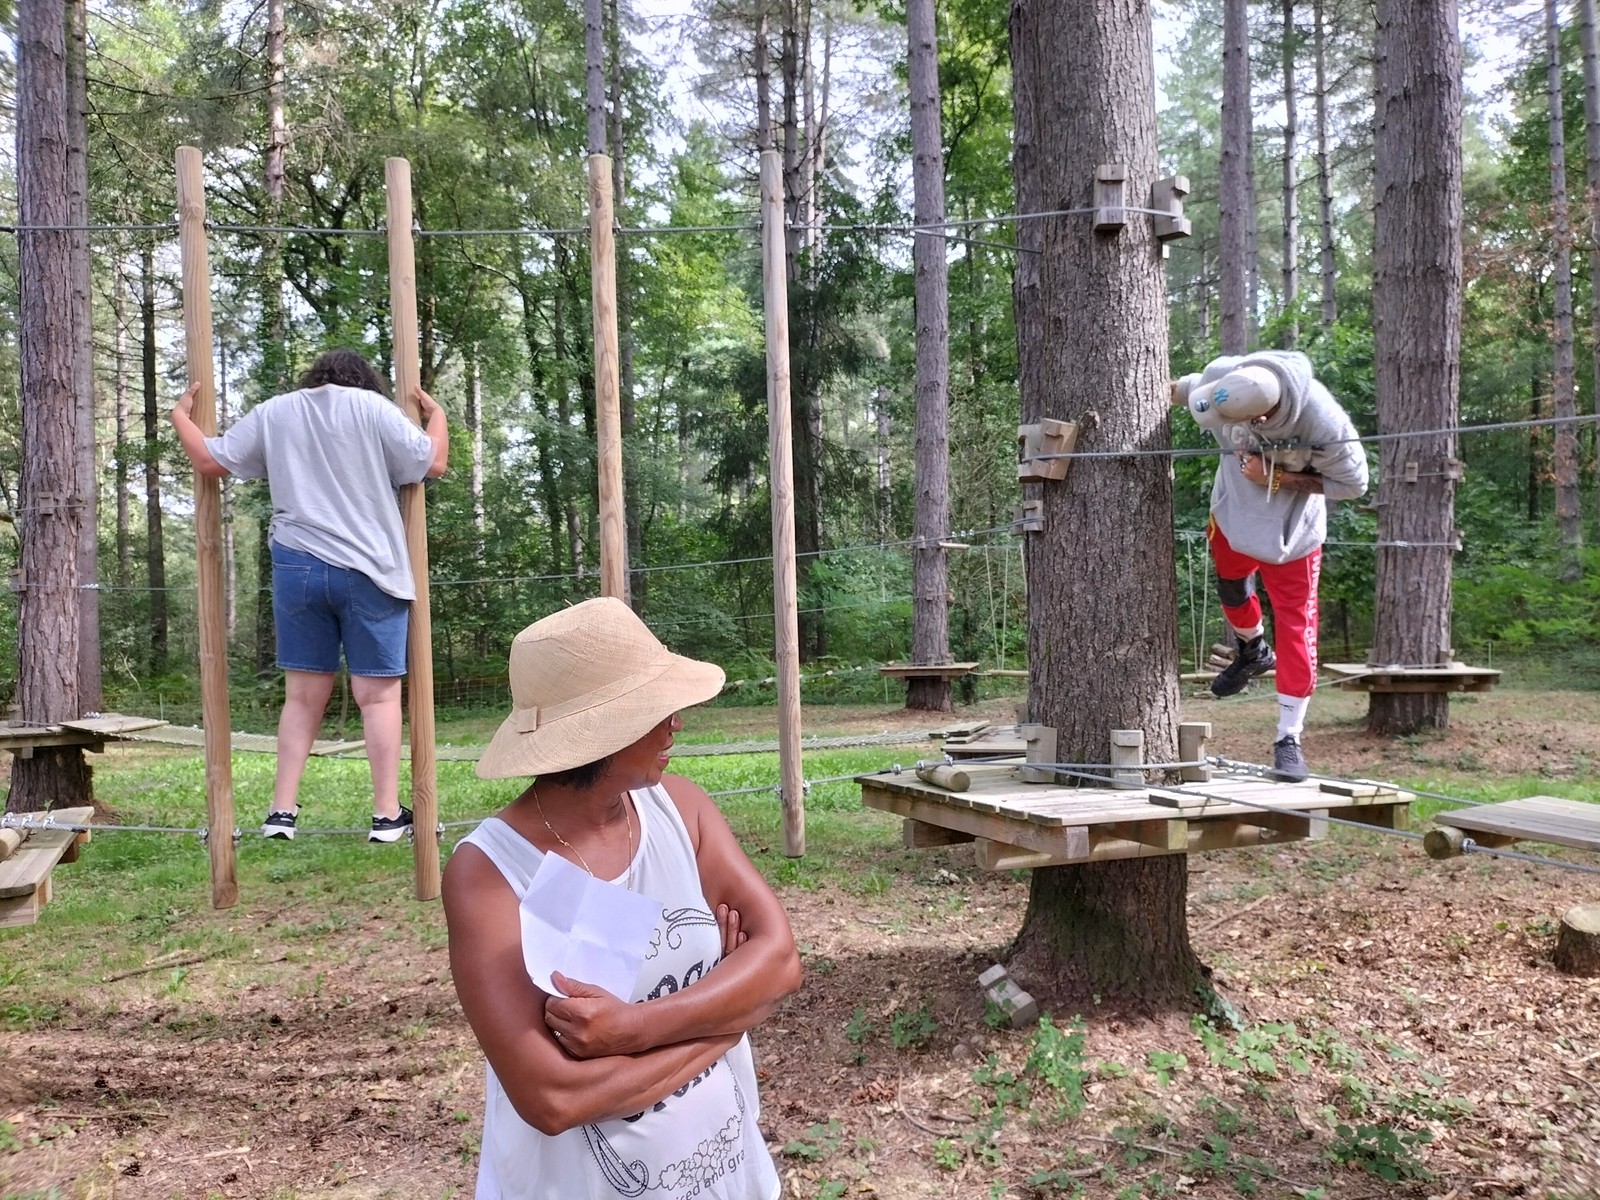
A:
(274, 368)
(1291, 184)
(1330, 302)
(155, 553)
(930, 609)
(639, 581)
(1417, 334)
(1569, 514)
(1234, 210)
(50, 515)
(1591, 126)
(119, 336)
(1102, 631)
(89, 695)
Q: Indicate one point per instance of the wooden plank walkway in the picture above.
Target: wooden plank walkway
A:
(22, 738)
(927, 670)
(25, 876)
(1447, 677)
(1549, 819)
(1016, 824)
(980, 740)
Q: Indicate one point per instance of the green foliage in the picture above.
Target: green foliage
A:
(1165, 1064)
(1056, 1060)
(1381, 1150)
(912, 1028)
(819, 1142)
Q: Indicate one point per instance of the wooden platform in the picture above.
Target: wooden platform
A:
(927, 670)
(1534, 819)
(1015, 824)
(981, 740)
(25, 876)
(91, 733)
(1447, 677)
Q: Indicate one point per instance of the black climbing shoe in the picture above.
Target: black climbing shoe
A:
(1255, 657)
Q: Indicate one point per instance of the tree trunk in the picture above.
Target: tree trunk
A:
(930, 584)
(1569, 515)
(1535, 458)
(1235, 199)
(1417, 344)
(1330, 304)
(1102, 638)
(155, 556)
(480, 519)
(763, 74)
(119, 341)
(885, 494)
(639, 580)
(1291, 187)
(274, 368)
(1591, 125)
(50, 515)
(83, 360)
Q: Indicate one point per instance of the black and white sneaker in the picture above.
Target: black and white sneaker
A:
(1254, 658)
(279, 825)
(390, 829)
(1288, 763)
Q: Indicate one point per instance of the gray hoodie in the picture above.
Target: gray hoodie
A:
(1308, 432)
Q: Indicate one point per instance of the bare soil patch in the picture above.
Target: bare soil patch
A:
(338, 1065)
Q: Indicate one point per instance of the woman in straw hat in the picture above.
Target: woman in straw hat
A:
(593, 1095)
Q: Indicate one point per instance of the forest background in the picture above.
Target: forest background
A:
(297, 104)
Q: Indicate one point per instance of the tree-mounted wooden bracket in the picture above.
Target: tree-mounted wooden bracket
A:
(1168, 194)
(1028, 517)
(1040, 747)
(1110, 182)
(1411, 472)
(1455, 470)
(1048, 437)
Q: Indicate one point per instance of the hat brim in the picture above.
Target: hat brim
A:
(588, 736)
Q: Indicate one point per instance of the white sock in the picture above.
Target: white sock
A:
(1249, 635)
(1292, 715)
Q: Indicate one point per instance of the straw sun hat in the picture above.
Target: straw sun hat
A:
(586, 682)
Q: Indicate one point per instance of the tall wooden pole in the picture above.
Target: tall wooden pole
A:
(413, 511)
(785, 619)
(603, 296)
(215, 718)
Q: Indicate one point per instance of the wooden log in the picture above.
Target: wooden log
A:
(607, 390)
(414, 514)
(780, 473)
(952, 779)
(10, 839)
(215, 717)
(1577, 950)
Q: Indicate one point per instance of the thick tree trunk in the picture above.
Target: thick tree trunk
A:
(1591, 126)
(274, 368)
(930, 608)
(1291, 185)
(50, 515)
(83, 359)
(1102, 638)
(1569, 514)
(1234, 211)
(155, 555)
(1417, 341)
(1330, 303)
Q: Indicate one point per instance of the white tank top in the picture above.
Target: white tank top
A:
(702, 1141)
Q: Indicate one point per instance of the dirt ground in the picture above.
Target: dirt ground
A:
(340, 1072)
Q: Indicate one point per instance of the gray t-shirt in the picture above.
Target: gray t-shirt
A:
(333, 457)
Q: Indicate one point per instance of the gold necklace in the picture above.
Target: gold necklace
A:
(627, 881)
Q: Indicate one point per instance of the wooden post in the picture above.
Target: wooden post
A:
(951, 779)
(785, 619)
(414, 513)
(214, 716)
(1192, 738)
(1127, 751)
(607, 401)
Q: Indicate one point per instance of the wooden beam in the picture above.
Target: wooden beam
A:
(919, 835)
(215, 717)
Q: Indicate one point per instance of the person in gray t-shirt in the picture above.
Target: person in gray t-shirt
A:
(333, 453)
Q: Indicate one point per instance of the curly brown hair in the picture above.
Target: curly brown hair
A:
(345, 368)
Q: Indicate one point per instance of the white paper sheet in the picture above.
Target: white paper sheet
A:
(589, 930)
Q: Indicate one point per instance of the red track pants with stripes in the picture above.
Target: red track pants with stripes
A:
(1292, 588)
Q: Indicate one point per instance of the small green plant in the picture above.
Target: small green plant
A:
(817, 1143)
(858, 1033)
(1380, 1150)
(995, 1015)
(1009, 1091)
(947, 1154)
(1057, 1060)
(832, 1189)
(1165, 1064)
(1227, 1119)
(1111, 1069)
(912, 1028)
(8, 1137)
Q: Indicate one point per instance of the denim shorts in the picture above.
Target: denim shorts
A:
(316, 607)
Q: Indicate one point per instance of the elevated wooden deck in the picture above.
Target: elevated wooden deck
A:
(1548, 819)
(927, 670)
(1015, 824)
(981, 740)
(1447, 677)
(22, 739)
(25, 875)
